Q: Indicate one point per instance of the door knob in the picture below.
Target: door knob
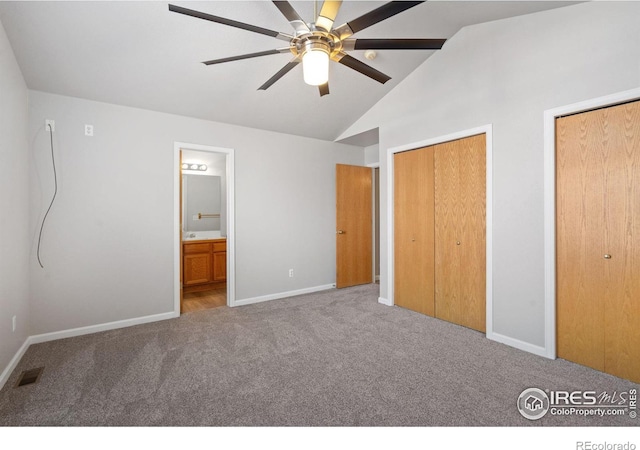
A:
(457, 242)
(607, 256)
(340, 232)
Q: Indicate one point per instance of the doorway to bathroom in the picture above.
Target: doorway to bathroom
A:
(204, 275)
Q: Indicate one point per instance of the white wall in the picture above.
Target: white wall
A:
(14, 206)
(372, 154)
(507, 73)
(108, 246)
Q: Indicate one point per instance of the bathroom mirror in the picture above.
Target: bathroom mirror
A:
(201, 202)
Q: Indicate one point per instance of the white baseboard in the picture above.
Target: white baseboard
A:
(384, 301)
(265, 298)
(46, 337)
(6, 373)
(520, 345)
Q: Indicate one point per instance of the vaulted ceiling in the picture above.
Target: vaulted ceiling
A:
(142, 55)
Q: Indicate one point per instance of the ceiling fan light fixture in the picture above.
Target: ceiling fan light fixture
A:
(315, 64)
(316, 44)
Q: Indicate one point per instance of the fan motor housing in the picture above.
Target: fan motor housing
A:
(316, 40)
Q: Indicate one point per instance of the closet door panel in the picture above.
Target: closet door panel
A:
(580, 265)
(447, 232)
(621, 158)
(460, 204)
(472, 225)
(414, 230)
(598, 239)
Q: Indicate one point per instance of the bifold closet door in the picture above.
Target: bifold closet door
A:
(414, 230)
(460, 228)
(598, 239)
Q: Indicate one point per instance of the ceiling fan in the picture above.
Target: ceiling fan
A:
(314, 44)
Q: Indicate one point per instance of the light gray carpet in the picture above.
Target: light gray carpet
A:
(336, 358)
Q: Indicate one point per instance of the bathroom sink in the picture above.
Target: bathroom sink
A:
(201, 235)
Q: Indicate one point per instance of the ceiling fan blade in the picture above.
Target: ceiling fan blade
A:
(393, 44)
(292, 16)
(247, 56)
(229, 22)
(361, 67)
(372, 17)
(324, 89)
(328, 14)
(282, 72)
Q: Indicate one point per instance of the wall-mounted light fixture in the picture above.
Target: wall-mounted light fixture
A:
(194, 166)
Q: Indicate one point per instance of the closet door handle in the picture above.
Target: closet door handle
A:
(340, 232)
(457, 242)
(607, 256)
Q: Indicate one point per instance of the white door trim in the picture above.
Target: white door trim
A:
(488, 131)
(550, 201)
(177, 238)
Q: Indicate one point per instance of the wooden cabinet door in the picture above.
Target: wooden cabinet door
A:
(598, 239)
(414, 230)
(219, 266)
(460, 228)
(197, 268)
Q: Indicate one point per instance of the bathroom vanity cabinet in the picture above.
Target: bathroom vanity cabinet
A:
(204, 262)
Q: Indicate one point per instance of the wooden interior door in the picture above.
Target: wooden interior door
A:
(414, 230)
(354, 256)
(460, 231)
(598, 239)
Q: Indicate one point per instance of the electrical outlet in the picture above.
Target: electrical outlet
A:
(51, 122)
(290, 273)
(88, 130)
(13, 323)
